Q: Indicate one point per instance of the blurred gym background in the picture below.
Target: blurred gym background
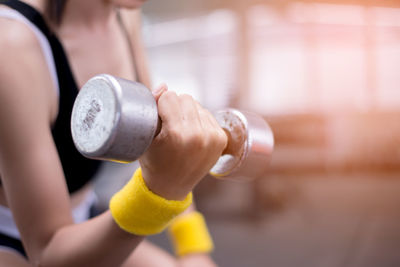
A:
(326, 76)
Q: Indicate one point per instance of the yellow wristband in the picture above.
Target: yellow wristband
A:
(139, 211)
(189, 234)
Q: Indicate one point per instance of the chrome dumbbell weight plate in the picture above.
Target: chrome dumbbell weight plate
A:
(113, 119)
(250, 145)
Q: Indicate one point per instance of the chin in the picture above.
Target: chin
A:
(130, 4)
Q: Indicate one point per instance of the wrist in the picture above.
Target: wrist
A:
(164, 187)
(138, 210)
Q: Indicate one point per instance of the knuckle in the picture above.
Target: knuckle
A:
(187, 101)
(223, 143)
(197, 140)
(210, 140)
(186, 97)
(202, 110)
(211, 118)
(220, 139)
(175, 134)
(167, 96)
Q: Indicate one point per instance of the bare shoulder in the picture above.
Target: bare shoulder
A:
(23, 69)
(19, 47)
(16, 34)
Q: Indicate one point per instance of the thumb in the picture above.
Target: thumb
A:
(159, 91)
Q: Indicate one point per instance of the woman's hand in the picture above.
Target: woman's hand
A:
(188, 145)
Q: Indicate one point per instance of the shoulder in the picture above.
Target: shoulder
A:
(19, 48)
(15, 34)
(23, 69)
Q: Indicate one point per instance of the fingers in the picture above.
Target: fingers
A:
(188, 145)
(190, 114)
(182, 114)
(169, 110)
(179, 112)
(221, 139)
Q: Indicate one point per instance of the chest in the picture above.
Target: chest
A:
(97, 52)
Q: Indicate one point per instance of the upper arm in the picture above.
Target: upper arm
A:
(132, 21)
(31, 171)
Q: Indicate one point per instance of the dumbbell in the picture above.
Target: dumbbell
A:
(115, 119)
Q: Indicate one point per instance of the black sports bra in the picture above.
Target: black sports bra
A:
(78, 170)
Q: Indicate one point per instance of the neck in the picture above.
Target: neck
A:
(39, 5)
(91, 14)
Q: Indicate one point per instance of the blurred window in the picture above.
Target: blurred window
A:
(324, 57)
(303, 57)
(195, 56)
(386, 31)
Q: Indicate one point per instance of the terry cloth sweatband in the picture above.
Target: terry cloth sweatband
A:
(189, 234)
(139, 211)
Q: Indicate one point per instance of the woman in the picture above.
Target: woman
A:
(44, 183)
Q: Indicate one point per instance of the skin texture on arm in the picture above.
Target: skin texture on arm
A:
(32, 175)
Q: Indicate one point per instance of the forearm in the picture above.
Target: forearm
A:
(97, 242)
(101, 241)
(196, 260)
(42, 213)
